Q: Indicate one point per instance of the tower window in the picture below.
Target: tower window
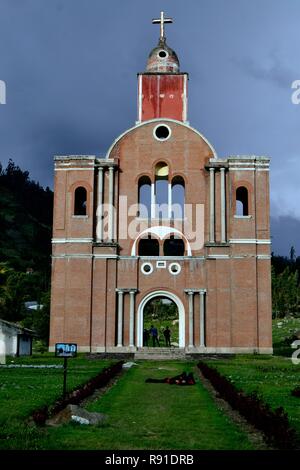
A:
(162, 132)
(178, 197)
(174, 247)
(80, 201)
(148, 247)
(144, 197)
(242, 205)
(162, 190)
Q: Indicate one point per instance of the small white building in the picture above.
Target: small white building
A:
(15, 340)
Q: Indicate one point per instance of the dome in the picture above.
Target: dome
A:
(162, 59)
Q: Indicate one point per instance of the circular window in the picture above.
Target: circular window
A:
(147, 268)
(162, 54)
(162, 132)
(174, 268)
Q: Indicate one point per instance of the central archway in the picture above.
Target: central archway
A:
(181, 314)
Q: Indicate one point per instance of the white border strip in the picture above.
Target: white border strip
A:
(72, 240)
(249, 241)
(74, 169)
(149, 260)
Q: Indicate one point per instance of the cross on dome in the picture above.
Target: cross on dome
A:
(162, 21)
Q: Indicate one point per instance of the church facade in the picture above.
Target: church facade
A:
(162, 216)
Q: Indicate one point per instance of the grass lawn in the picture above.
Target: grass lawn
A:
(23, 390)
(152, 416)
(272, 378)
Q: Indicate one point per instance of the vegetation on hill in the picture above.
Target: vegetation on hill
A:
(25, 248)
(285, 285)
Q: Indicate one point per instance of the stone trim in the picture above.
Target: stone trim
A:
(107, 256)
(74, 169)
(72, 240)
(229, 350)
(250, 241)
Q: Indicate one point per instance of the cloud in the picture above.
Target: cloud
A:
(270, 69)
(285, 188)
(284, 234)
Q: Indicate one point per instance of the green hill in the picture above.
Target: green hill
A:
(25, 221)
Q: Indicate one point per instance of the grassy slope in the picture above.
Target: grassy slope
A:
(24, 390)
(272, 378)
(153, 416)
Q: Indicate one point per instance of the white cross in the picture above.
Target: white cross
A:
(162, 20)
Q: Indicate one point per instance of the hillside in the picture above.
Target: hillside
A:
(25, 249)
(25, 221)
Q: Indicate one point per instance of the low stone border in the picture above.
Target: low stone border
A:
(111, 356)
(77, 396)
(274, 423)
(31, 366)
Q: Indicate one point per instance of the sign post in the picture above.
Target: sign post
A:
(65, 350)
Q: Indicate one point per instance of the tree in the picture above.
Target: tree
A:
(292, 254)
(285, 293)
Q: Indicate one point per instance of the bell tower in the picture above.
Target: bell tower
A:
(162, 88)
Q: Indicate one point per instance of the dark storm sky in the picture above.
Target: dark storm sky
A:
(70, 70)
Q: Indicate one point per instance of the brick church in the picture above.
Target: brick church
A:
(161, 216)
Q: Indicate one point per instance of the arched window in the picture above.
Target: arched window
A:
(144, 197)
(174, 246)
(178, 197)
(80, 201)
(161, 190)
(242, 206)
(148, 247)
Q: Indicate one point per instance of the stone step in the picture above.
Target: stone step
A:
(157, 357)
(159, 349)
(161, 354)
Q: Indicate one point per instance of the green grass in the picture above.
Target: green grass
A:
(153, 416)
(272, 378)
(24, 390)
(284, 330)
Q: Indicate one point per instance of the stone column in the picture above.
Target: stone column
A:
(120, 318)
(131, 318)
(111, 204)
(223, 206)
(202, 318)
(99, 230)
(212, 206)
(191, 319)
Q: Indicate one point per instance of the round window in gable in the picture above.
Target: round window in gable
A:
(162, 54)
(162, 132)
(147, 268)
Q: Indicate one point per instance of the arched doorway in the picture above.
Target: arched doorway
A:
(168, 296)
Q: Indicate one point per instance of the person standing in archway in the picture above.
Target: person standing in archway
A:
(167, 335)
(154, 334)
(146, 337)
